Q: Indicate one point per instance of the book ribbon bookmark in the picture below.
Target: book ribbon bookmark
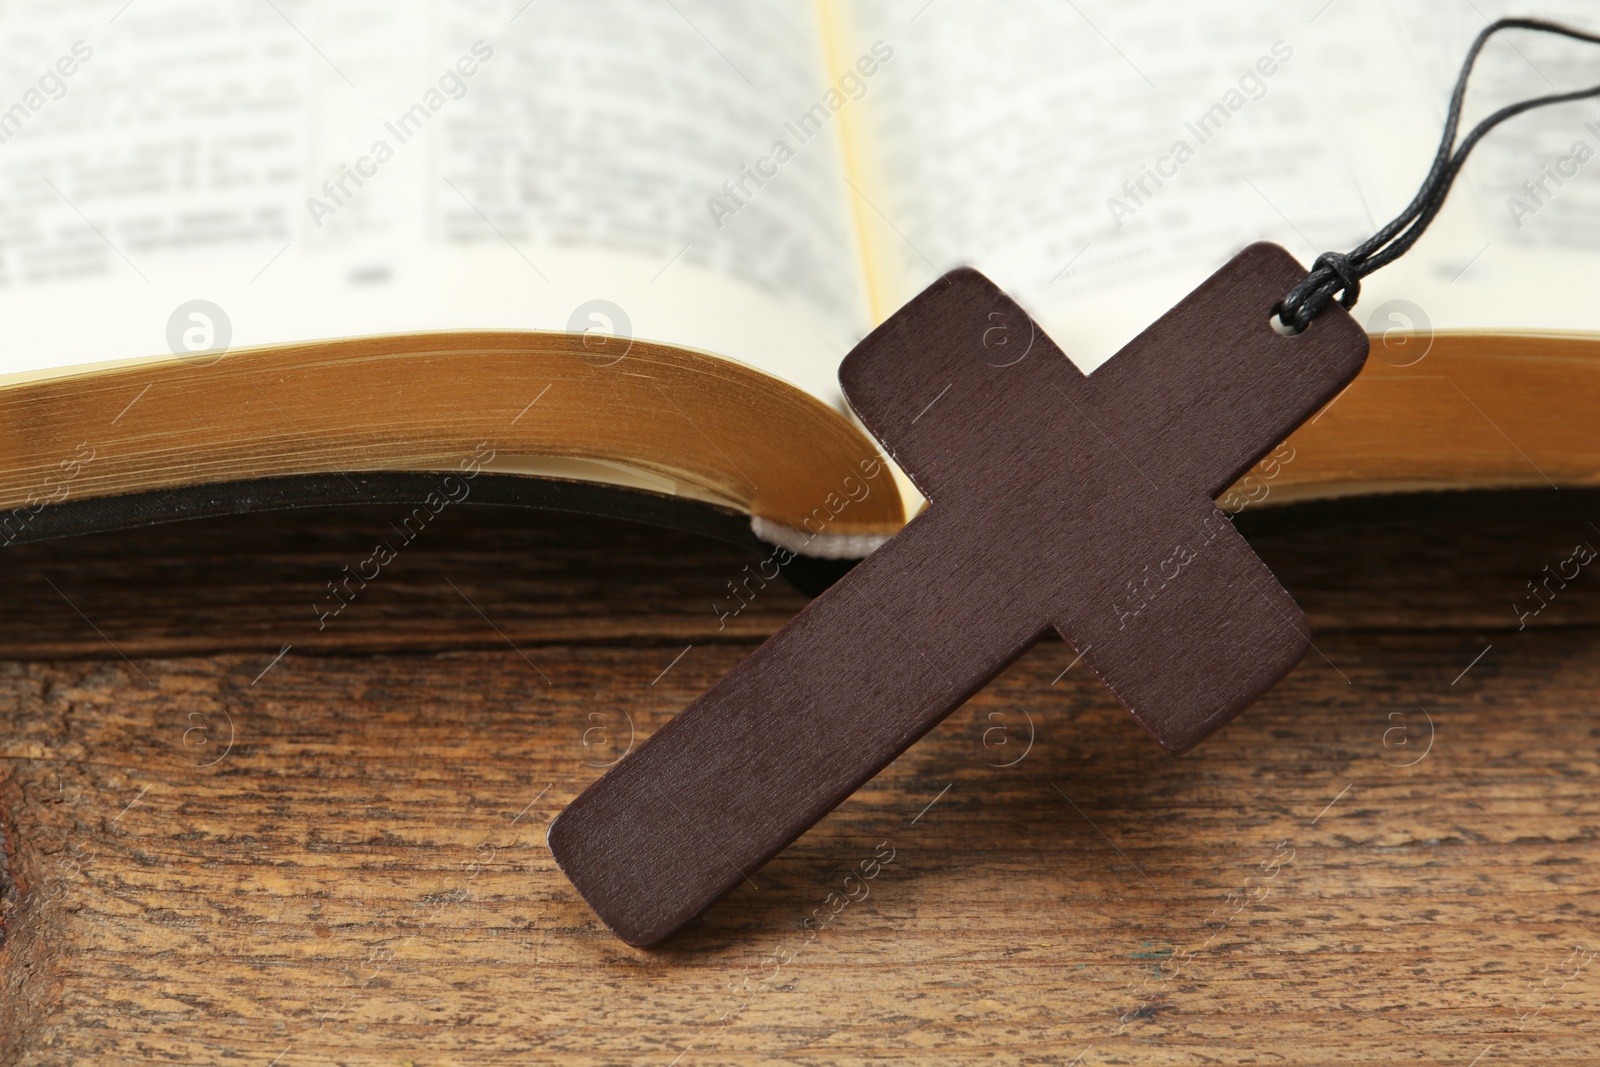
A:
(1057, 501)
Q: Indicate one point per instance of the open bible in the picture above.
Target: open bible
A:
(626, 244)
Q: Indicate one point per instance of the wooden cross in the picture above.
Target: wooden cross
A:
(1057, 501)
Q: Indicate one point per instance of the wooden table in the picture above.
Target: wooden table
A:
(217, 854)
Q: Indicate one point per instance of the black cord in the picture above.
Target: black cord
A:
(1341, 272)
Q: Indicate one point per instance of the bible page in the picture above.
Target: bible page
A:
(1099, 160)
(291, 170)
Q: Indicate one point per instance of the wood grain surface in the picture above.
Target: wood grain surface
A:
(1391, 857)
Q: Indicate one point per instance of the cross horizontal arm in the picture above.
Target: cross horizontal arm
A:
(1187, 629)
(934, 382)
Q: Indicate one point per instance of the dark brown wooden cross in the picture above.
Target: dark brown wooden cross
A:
(1082, 504)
